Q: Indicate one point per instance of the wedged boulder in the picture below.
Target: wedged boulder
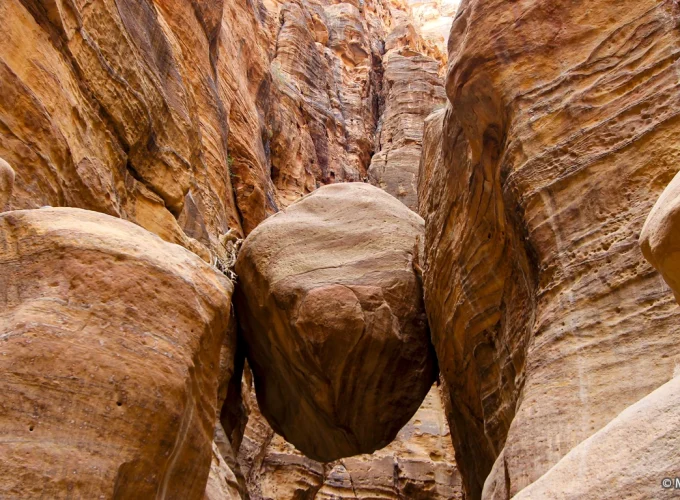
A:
(109, 354)
(628, 458)
(660, 236)
(332, 313)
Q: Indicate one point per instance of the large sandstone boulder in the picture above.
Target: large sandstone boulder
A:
(331, 309)
(660, 236)
(109, 350)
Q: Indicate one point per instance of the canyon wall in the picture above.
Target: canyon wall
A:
(560, 134)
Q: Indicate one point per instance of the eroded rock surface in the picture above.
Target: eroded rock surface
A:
(110, 342)
(534, 186)
(628, 458)
(330, 305)
(412, 90)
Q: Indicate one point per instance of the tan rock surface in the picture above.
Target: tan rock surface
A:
(412, 91)
(6, 184)
(110, 351)
(628, 458)
(112, 106)
(535, 185)
(330, 307)
(433, 19)
(223, 484)
(660, 236)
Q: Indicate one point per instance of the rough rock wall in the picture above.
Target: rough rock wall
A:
(195, 120)
(412, 89)
(188, 118)
(559, 137)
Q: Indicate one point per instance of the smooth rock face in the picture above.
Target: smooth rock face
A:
(332, 314)
(535, 183)
(660, 236)
(628, 458)
(110, 342)
(419, 464)
(6, 184)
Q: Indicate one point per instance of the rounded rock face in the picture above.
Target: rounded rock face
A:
(110, 359)
(6, 184)
(332, 312)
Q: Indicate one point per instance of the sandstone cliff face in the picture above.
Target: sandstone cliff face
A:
(330, 306)
(535, 182)
(412, 89)
(109, 352)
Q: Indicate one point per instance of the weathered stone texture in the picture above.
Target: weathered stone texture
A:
(534, 187)
(418, 464)
(331, 308)
(109, 349)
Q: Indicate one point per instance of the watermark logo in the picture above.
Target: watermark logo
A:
(668, 483)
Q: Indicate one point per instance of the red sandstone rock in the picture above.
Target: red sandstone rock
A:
(535, 184)
(330, 306)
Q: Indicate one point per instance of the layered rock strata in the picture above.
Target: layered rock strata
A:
(110, 344)
(330, 305)
(660, 236)
(534, 186)
(412, 89)
(195, 120)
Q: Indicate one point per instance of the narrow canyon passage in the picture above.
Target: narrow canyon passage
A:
(339, 249)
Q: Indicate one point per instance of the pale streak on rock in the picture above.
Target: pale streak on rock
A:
(627, 458)
(6, 184)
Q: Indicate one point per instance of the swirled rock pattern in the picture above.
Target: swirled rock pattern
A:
(535, 184)
(199, 119)
(109, 349)
(331, 309)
